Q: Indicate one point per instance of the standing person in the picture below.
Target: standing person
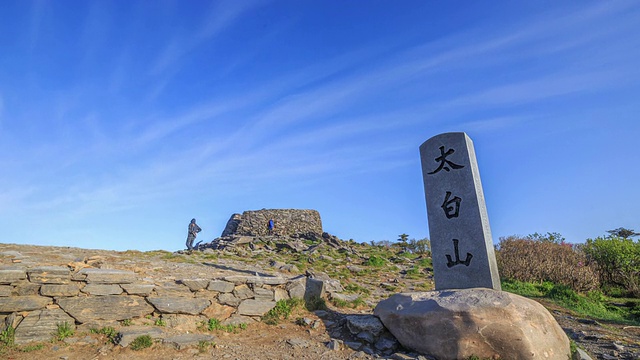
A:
(270, 226)
(194, 229)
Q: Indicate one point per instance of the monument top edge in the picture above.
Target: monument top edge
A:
(453, 133)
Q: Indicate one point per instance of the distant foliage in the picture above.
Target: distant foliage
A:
(618, 261)
(623, 233)
(552, 237)
(528, 260)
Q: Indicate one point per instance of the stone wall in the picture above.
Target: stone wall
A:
(288, 222)
(34, 301)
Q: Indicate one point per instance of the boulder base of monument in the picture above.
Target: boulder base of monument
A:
(458, 324)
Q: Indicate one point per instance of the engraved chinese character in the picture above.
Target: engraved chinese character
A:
(449, 210)
(451, 263)
(444, 163)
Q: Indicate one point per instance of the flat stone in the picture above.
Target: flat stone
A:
(183, 323)
(108, 307)
(243, 292)
(298, 343)
(267, 280)
(10, 275)
(138, 289)
(72, 289)
(457, 324)
(179, 305)
(23, 303)
(195, 284)
(251, 307)
(228, 299)
(238, 319)
(5, 290)
(344, 297)
(102, 289)
(221, 286)
(183, 341)
(461, 243)
(305, 288)
(50, 275)
(173, 289)
(24, 288)
(41, 325)
(106, 276)
(127, 334)
(263, 294)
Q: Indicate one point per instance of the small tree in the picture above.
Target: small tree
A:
(552, 237)
(402, 241)
(623, 233)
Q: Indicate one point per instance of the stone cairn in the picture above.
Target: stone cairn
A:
(467, 315)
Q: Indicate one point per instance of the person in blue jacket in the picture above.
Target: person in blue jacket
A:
(194, 229)
(270, 226)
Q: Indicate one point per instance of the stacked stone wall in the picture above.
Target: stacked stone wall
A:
(34, 301)
(288, 222)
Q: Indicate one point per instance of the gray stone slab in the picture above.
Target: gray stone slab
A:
(72, 289)
(10, 275)
(263, 294)
(102, 289)
(251, 307)
(221, 286)
(228, 299)
(183, 341)
(461, 244)
(107, 276)
(128, 334)
(138, 289)
(24, 288)
(41, 325)
(195, 284)
(268, 280)
(179, 304)
(108, 307)
(23, 303)
(243, 292)
(49, 275)
(5, 290)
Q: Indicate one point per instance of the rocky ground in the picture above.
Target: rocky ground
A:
(320, 335)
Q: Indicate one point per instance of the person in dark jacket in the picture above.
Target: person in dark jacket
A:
(194, 229)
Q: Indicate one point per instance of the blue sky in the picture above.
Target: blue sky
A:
(122, 120)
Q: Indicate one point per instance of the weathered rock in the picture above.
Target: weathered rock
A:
(173, 289)
(457, 324)
(195, 284)
(344, 297)
(221, 286)
(228, 299)
(305, 288)
(138, 289)
(5, 290)
(128, 334)
(263, 294)
(260, 280)
(287, 222)
(72, 289)
(251, 307)
(179, 304)
(183, 341)
(24, 288)
(243, 292)
(108, 307)
(106, 276)
(41, 325)
(218, 311)
(23, 303)
(280, 294)
(102, 289)
(10, 275)
(238, 319)
(49, 275)
(364, 323)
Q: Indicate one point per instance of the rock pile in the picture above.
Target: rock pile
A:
(288, 222)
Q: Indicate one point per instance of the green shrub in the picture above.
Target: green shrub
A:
(141, 342)
(282, 310)
(618, 261)
(108, 331)
(375, 261)
(7, 337)
(64, 331)
(160, 322)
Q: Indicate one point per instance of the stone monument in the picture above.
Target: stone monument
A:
(461, 243)
(467, 315)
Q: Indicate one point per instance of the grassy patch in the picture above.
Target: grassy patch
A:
(160, 322)
(64, 331)
(30, 348)
(281, 311)
(7, 337)
(141, 342)
(375, 261)
(108, 331)
(215, 324)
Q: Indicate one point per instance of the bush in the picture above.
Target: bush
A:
(282, 310)
(618, 261)
(64, 331)
(375, 261)
(538, 261)
(141, 342)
